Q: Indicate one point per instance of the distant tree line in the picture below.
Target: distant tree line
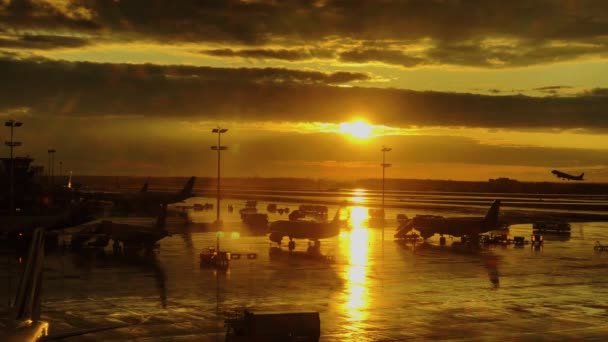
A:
(500, 185)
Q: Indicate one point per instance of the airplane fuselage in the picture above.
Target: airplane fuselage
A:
(453, 226)
(132, 233)
(563, 175)
(300, 229)
(303, 229)
(429, 225)
(145, 201)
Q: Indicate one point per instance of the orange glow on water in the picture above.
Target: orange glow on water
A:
(356, 243)
(358, 216)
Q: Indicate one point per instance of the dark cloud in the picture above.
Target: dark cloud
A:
(552, 90)
(597, 92)
(387, 56)
(253, 21)
(556, 87)
(456, 32)
(73, 70)
(43, 42)
(32, 14)
(515, 54)
(282, 54)
(273, 94)
(82, 88)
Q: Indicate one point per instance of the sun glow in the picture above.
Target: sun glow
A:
(357, 129)
(358, 196)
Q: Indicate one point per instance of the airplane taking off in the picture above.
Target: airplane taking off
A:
(564, 175)
(428, 225)
(304, 229)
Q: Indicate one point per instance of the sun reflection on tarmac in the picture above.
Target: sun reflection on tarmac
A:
(358, 196)
(355, 243)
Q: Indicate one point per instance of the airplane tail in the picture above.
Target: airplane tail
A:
(28, 299)
(337, 216)
(581, 176)
(491, 218)
(187, 190)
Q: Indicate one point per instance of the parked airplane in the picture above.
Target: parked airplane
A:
(564, 175)
(137, 236)
(304, 229)
(144, 200)
(428, 225)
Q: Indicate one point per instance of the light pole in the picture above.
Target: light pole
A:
(384, 166)
(51, 165)
(48, 170)
(219, 148)
(12, 144)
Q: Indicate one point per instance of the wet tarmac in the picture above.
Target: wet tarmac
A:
(374, 289)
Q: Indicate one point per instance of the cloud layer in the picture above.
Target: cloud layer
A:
(488, 34)
(324, 55)
(273, 94)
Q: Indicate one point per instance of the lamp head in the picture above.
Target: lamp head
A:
(12, 123)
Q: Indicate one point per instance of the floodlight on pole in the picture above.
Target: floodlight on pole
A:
(219, 148)
(51, 164)
(384, 166)
(12, 144)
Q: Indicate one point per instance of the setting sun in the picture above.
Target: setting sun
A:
(357, 129)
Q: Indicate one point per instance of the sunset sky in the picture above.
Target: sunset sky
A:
(465, 90)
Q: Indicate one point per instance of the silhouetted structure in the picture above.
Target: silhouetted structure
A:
(24, 190)
(471, 227)
(207, 185)
(304, 229)
(563, 175)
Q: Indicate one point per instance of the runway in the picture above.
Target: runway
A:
(374, 290)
